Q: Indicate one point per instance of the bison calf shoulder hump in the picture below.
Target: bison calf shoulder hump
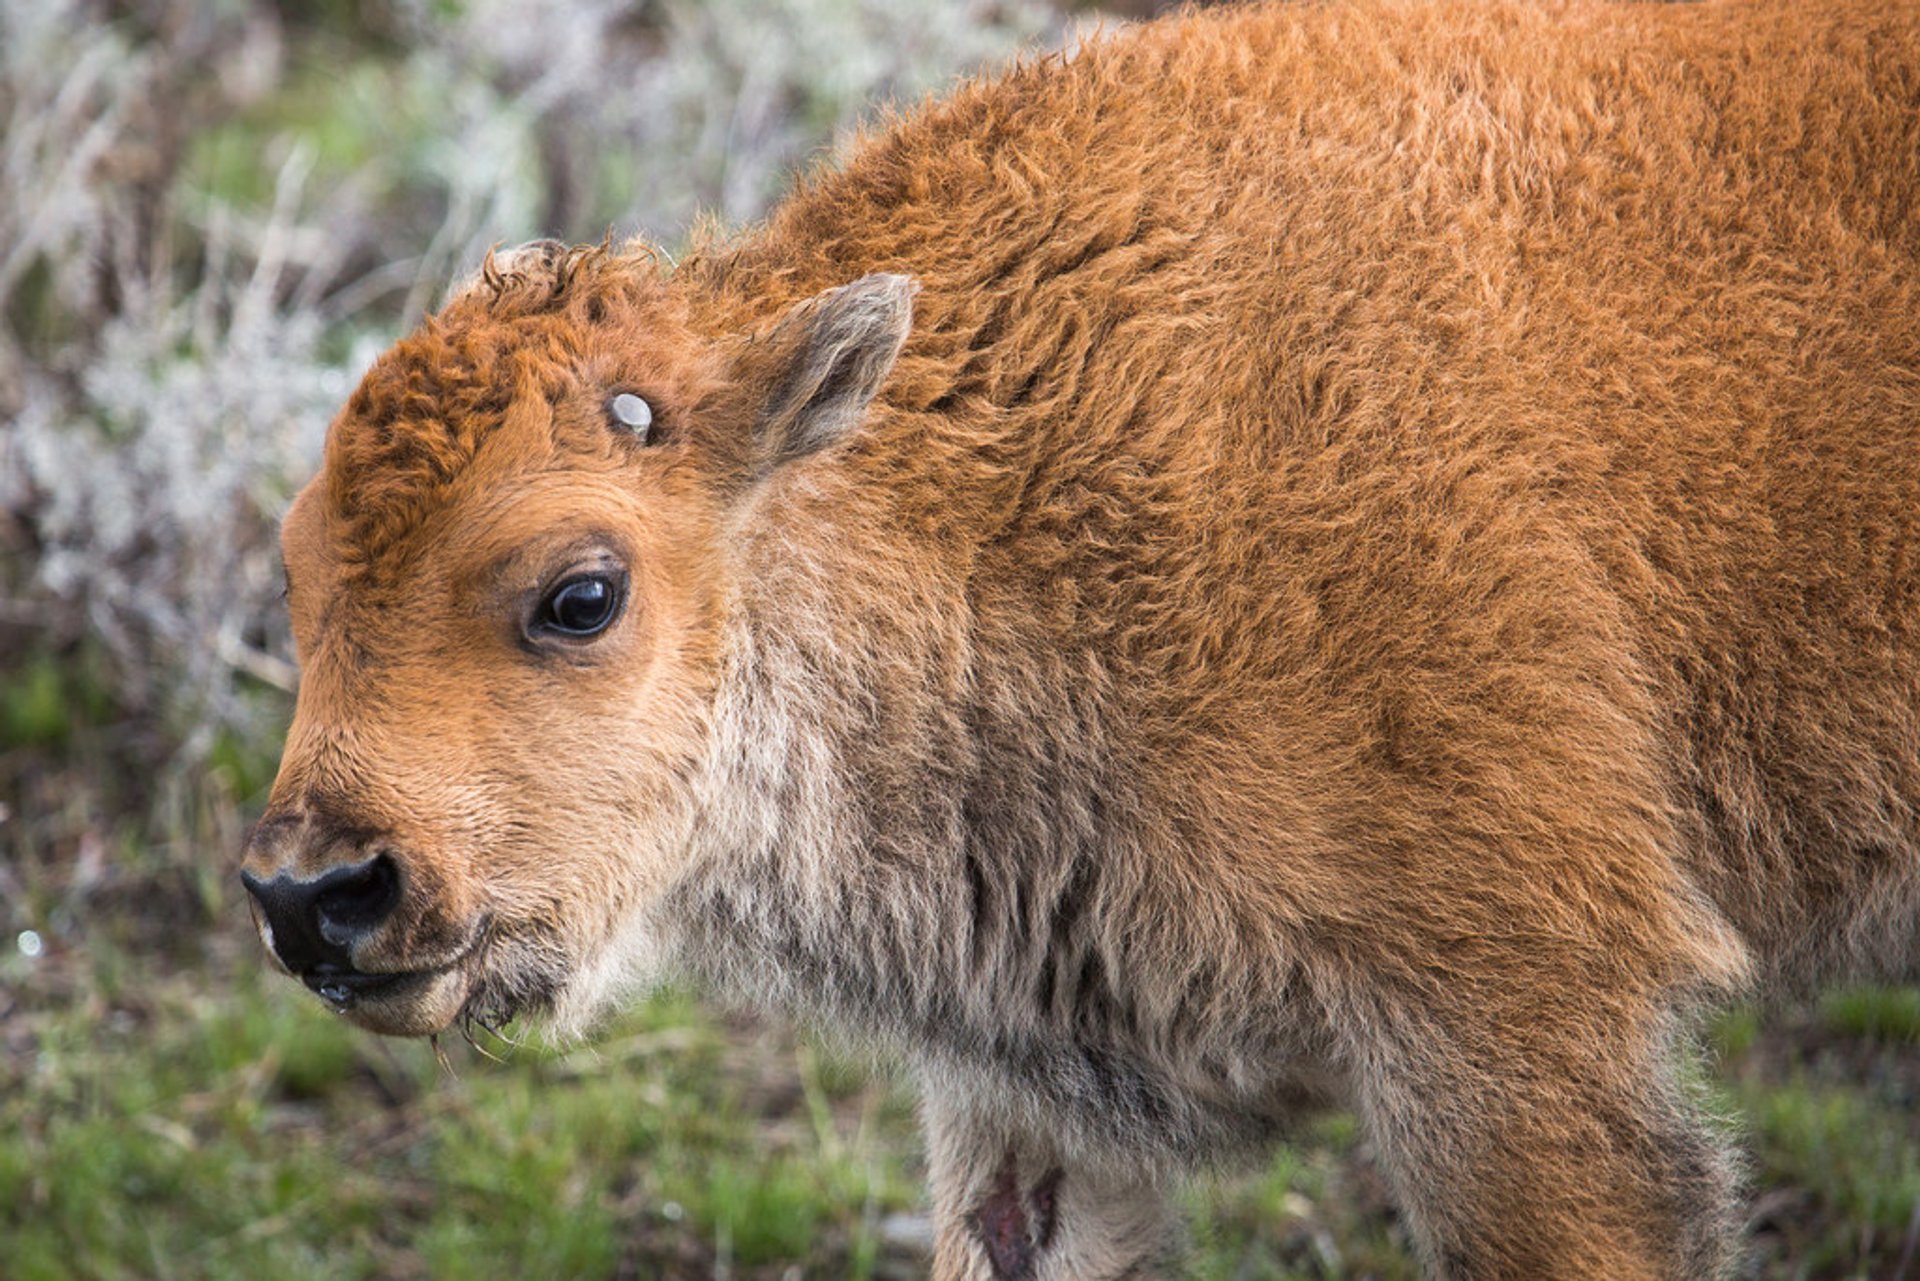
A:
(1310, 553)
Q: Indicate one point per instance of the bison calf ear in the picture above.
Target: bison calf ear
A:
(833, 352)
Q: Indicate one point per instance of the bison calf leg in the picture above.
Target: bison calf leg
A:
(1011, 1207)
(1524, 1162)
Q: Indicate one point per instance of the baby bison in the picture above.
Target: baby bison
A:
(1309, 554)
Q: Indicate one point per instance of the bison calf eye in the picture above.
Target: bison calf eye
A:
(581, 606)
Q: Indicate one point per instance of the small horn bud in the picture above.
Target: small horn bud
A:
(629, 413)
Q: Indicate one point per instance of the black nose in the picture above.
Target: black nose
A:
(316, 923)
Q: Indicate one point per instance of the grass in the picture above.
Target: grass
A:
(1828, 1095)
(175, 1126)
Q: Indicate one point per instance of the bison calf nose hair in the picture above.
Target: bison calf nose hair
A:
(316, 923)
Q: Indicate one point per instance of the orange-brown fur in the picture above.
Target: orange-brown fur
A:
(1387, 569)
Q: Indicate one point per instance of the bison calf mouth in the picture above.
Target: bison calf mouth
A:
(343, 988)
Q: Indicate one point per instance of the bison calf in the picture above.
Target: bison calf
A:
(1317, 553)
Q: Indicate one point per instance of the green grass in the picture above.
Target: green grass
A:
(1875, 1013)
(1837, 1141)
(48, 698)
(177, 1129)
(1314, 1211)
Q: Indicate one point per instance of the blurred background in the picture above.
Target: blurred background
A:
(213, 213)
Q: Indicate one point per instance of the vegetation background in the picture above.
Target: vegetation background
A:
(212, 214)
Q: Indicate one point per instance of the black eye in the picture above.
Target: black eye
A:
(581, 606)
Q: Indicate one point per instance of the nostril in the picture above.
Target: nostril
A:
(314, 924)
(351, 901)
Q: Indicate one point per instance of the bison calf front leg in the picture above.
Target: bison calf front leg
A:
(1589, 1158)
(1009, 1207)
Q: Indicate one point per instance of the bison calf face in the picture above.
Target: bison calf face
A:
(508, 591)
(478, 778)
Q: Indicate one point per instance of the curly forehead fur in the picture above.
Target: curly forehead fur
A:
(525, 327)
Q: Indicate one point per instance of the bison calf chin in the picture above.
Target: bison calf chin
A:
(1297, 555)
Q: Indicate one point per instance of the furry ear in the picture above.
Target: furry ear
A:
(833, 353)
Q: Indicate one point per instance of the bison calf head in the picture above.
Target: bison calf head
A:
(510, 587)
